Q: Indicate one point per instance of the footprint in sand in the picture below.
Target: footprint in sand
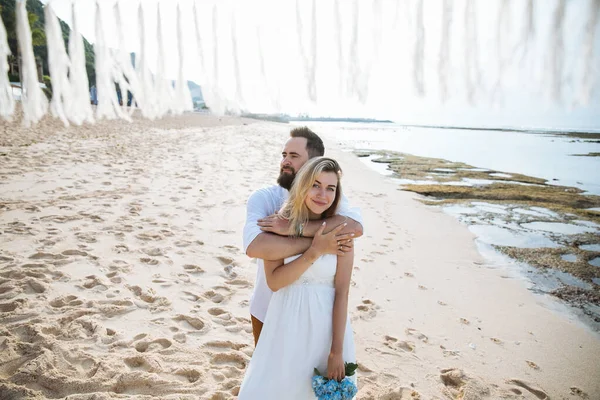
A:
(417, 334)
(155, 345)
(367, 309)
(225, 261)
(153, 252)
(239, 282)
(395, 344)
(13, 305)
(7, 291)
(193, 269)
(190, 375)
(135, 209)
(111, 308)
(222, 315)
(194, 323)
(537, 392)
(225, 344)
(74, 253)
(575, 391)
(218, 295)
(193, 297)
(231, 249)
(457, 383)
(180, 337)
(4, 259)
(151, 301)
(66, 301)
(144, 362)
(149, 236)
(47, 256)
(149, 261)
(94, 282)
(166, 232)
(120, 266)
(237, 360)
(121, 248)
(86, 237)
(229, 272)
(114, 277)
(240, 324)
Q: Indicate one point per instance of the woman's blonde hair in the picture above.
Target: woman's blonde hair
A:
(295, 209)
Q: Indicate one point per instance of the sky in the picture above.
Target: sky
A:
(375, 59)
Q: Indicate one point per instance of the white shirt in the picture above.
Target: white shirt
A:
(262, 203)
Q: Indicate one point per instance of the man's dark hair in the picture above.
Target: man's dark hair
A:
(314, 144)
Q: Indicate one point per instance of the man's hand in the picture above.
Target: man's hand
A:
(332, 242)
(275, 224)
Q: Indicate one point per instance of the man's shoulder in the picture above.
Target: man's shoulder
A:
(269, 190)
(272, 191)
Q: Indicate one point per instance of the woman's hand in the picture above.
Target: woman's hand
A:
(335, 367)
(328, 243)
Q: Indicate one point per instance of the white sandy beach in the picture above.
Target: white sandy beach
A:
(122, 275)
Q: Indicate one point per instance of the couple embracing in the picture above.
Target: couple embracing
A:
(301, 231)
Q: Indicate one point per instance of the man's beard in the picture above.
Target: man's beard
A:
(286, 179)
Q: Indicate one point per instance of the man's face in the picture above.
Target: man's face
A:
(293, 157)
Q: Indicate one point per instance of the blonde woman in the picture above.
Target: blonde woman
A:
(307, 323)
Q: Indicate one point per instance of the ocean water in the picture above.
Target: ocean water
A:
(538, 154)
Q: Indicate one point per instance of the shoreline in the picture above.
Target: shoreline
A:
(124, 275)
(284, 118)
(580, 297)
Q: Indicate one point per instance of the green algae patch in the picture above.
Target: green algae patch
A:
(556, 198)
(503, 187)
(552, 258)
(587, 155)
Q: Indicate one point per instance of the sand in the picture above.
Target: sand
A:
(122, 275)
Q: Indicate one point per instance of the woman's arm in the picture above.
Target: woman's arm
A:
(279, 275)
(335, 365)
(353, 229)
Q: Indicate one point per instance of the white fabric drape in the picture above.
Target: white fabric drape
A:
(313, 55)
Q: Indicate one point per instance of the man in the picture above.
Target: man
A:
(266, 234)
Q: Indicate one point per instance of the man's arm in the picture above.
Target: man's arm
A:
(259, 243)
(345, 214)
(269, 246)
(274, 244)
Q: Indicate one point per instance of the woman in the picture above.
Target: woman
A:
(306, 326)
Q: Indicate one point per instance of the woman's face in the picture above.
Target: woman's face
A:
(322, 193)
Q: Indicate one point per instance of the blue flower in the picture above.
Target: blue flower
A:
(348, 388)
(318, 383)
(331, 386)
(330, 389)
(336, 396)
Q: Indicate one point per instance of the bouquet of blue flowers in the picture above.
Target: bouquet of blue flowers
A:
(330, 389)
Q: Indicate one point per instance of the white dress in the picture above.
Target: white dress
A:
(296, 337)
